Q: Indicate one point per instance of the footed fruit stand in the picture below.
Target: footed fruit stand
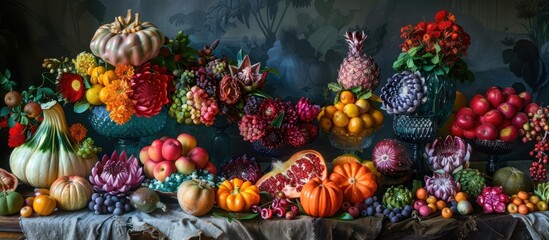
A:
(425, 181)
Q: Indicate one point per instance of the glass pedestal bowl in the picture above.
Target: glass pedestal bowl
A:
(493, 148)
(350, 143)
(127, 135)
(418, 131)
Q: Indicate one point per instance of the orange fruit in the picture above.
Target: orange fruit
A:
(517, 201)
(433, 207)
(363, 105)
(355, 125)
(523, 195)
(346, 97)
(372, 167)
(460, 196)
(369, 121)
(440, 204)
(512, 208)
(107, 78)
(339, 106)
(421, 194)
(531, 207)
(96, 72)
(459, 102)
(534, 199)
(446, 213)
(431, 199)
(325, 124)
(345, 158)
(522, 209)
(542, 206)
(103, 95)
(340, 119)
(351, 110)
(378, 117)
(329, 111)
(92, 95)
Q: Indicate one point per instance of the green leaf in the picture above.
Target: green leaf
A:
(416, 184)
(5, 111)
(231, 216)
(277, 122)
(427, 55)
(410, 63)
(11, 122)
(428, 68)
(365, 95)
(46, 91)
(240, 57)
(3, 80)
(435, 60)
(344, 216)
(412, 51)
(356, 90)
(7, 73)
(86, 81)
(24, 120)
(301, 211)
(81, 106)
(334, 87)
(439, 71)
(437, 48)
(260, 93)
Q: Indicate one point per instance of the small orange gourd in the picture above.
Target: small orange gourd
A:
(321, 198)
(355, 180)
(237, 195)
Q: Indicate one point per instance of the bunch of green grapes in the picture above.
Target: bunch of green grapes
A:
(87, 148)
(180, 110)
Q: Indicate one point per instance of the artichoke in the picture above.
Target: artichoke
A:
(117, 174)
(404, 92)
(471, 181)
(542, 190)
(449, 155)
(442, 186)
(397, 197)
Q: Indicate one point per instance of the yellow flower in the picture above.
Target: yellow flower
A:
(78, 132)
(83, 62)
(124, 72)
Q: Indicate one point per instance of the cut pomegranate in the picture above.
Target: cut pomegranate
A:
(290, 176)
(8, 181)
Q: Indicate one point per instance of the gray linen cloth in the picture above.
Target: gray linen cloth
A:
(537, 224)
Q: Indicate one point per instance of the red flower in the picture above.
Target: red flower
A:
(444, 25)
(71, 87)
(441, 16)
(150, 90)
(4, 122)
(17, 135)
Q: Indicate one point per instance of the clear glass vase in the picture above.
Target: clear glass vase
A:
(127, 135)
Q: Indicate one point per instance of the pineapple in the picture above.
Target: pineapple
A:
(358, 69)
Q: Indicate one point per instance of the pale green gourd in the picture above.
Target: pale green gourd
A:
(50, 153)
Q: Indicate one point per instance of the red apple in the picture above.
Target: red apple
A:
(419, 203)
(493, 116)
(199, 156)
(144, 155)
(164, 169)
(465, 121)
(516, 101)
(210, 167)
(455, 130)
(164, 138)
(486, 131)
(509, 133)
(155, 150)
(504, 123)
(171, 149)
(184, 165)
(187, 141)
(520, 119)
(479, 105)
(470, 133)
(508, 91)
(466, 110)
(507, 110)
(531, 108)
(148, 169)
(526, 98)
(495, 97)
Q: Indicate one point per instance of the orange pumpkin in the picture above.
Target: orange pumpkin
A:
(321, 198)
(355, 180)
(44, 205)
(71, 192)
(237, 195)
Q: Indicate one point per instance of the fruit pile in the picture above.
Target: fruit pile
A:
(103, 203)
(166, 156)
(525, 203)
(498, 114)
(537, 129)
(427, 204)
(351, 118)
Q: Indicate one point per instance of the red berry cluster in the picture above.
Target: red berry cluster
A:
(279, 206)
(538, 129)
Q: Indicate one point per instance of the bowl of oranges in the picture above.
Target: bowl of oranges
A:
(351, 122)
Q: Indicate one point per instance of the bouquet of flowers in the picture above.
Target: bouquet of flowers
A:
(434, 46)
